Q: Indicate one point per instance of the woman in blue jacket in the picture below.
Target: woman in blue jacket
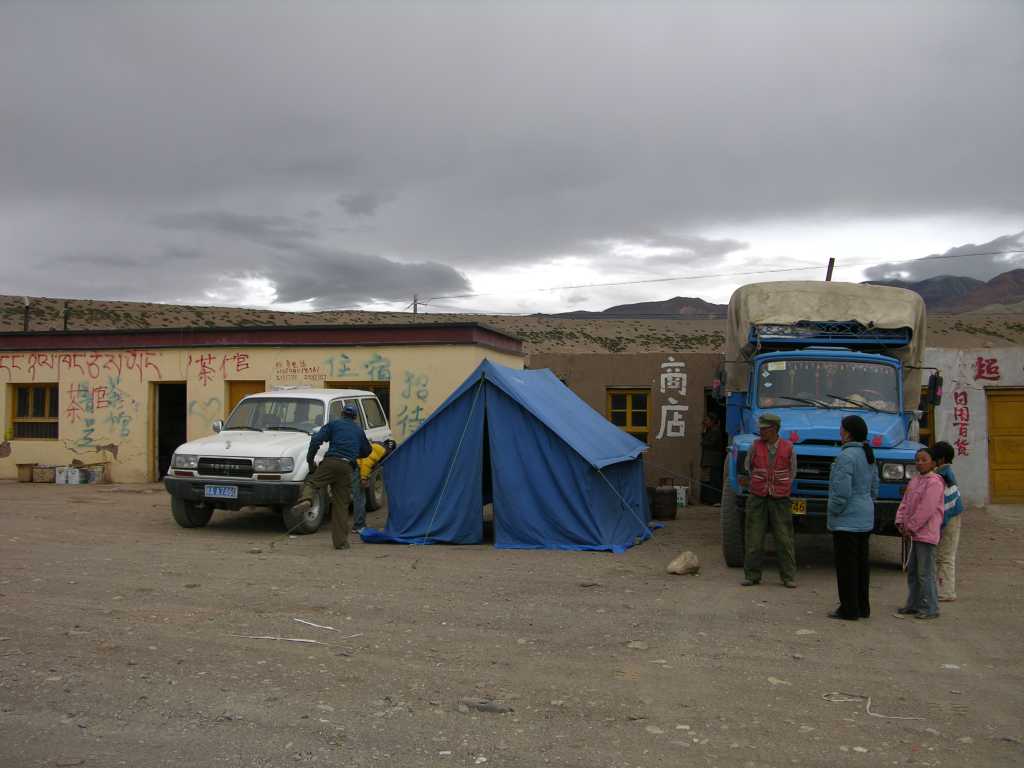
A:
(852, 490)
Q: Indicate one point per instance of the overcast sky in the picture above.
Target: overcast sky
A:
(305, 155)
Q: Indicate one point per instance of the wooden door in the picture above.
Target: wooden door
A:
(1006, 445)
(239, 389)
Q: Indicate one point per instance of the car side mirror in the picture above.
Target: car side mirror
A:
(218, 425)
(935, 389)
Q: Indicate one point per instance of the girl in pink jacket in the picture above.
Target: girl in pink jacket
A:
(919, 518)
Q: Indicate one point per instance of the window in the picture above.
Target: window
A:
(382, 389)
(281, 413)
(628, 409)
(336, 406)
(35, 411)
(374, 415)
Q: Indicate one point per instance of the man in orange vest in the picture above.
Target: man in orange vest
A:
(771, 466)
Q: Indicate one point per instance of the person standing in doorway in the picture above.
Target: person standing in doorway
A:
(771, 466)
(712, 459)
(949, 537)
(852, 490)
(346, 444)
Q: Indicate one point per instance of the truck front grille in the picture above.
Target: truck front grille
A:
(224, 467)
(814, 467)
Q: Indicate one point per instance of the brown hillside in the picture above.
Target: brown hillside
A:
(539, 333)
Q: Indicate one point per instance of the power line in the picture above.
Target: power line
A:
(721, 274)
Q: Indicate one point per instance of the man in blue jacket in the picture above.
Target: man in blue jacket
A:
(346, 443)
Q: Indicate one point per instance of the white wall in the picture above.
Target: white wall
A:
(967, 374)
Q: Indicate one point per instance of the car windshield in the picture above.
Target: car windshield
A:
(277, 412)
(828, 384)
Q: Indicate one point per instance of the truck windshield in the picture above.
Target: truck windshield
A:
(275, 412)
(829, 384)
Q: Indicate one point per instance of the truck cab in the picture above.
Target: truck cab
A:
(812, 371)
(257, 457)
(812, 391)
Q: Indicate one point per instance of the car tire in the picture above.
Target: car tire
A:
(310, 521)
(733, 519)
(375, 493)
(188, 514)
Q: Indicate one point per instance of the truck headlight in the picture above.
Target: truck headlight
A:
(893, 471)
(184, 461)
(273, 465)
(911, 470)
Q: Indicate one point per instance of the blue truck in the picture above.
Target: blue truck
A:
(813, 353)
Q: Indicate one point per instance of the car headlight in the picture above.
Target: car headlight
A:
(184, 461)
(273, 465)
(893, 471)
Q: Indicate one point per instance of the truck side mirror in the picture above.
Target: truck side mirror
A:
(935, 389)
(218, 425)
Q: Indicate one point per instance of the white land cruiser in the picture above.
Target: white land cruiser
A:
(258, 457)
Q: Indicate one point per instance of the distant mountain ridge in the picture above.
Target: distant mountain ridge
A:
(677, 306)
(954, 295)
(946, 294)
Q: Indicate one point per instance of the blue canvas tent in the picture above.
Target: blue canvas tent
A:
(559, 475)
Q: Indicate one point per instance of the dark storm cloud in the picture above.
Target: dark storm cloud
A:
(274, 231)
(336, 279)
(502, 133)
(359, 203)
(305, 269)
(982, 261)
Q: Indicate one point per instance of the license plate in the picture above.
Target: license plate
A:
(799, 506)
(221, 491)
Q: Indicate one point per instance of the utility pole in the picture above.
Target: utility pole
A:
(415, 304)
(25, 323)
(828, 274)
(65, 312)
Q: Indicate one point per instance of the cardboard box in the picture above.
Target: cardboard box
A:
(42, 473)
(25, 472)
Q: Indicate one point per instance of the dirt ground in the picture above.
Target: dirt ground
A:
(119, 645)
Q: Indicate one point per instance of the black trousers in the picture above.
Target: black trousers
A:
(853, 575)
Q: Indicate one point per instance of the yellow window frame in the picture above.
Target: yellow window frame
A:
(637, 427)
(50, 394)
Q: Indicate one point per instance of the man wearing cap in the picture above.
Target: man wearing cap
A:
(771, 466)
(346, 444)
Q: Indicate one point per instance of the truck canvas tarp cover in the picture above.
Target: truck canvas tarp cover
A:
(787, 303)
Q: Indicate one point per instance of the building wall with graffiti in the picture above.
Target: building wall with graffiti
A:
(970, 376)
(106, 399)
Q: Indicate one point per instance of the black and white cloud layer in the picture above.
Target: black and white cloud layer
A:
(344, 153)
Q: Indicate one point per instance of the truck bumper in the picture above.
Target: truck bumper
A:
(816, 518)
(251, 493)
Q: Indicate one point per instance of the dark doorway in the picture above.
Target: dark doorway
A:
(713, 444)
(171, 419)
(488, 488)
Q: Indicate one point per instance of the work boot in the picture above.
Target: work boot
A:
(750, 582)
(302, 507)
(789, 584)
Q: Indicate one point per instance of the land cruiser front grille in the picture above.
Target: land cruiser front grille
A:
(224, 467)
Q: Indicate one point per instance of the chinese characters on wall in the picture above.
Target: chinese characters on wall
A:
(672, 383)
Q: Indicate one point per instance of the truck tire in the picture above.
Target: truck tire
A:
(188, 514)
(733, 544)
(375, 494)
(310, 521)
